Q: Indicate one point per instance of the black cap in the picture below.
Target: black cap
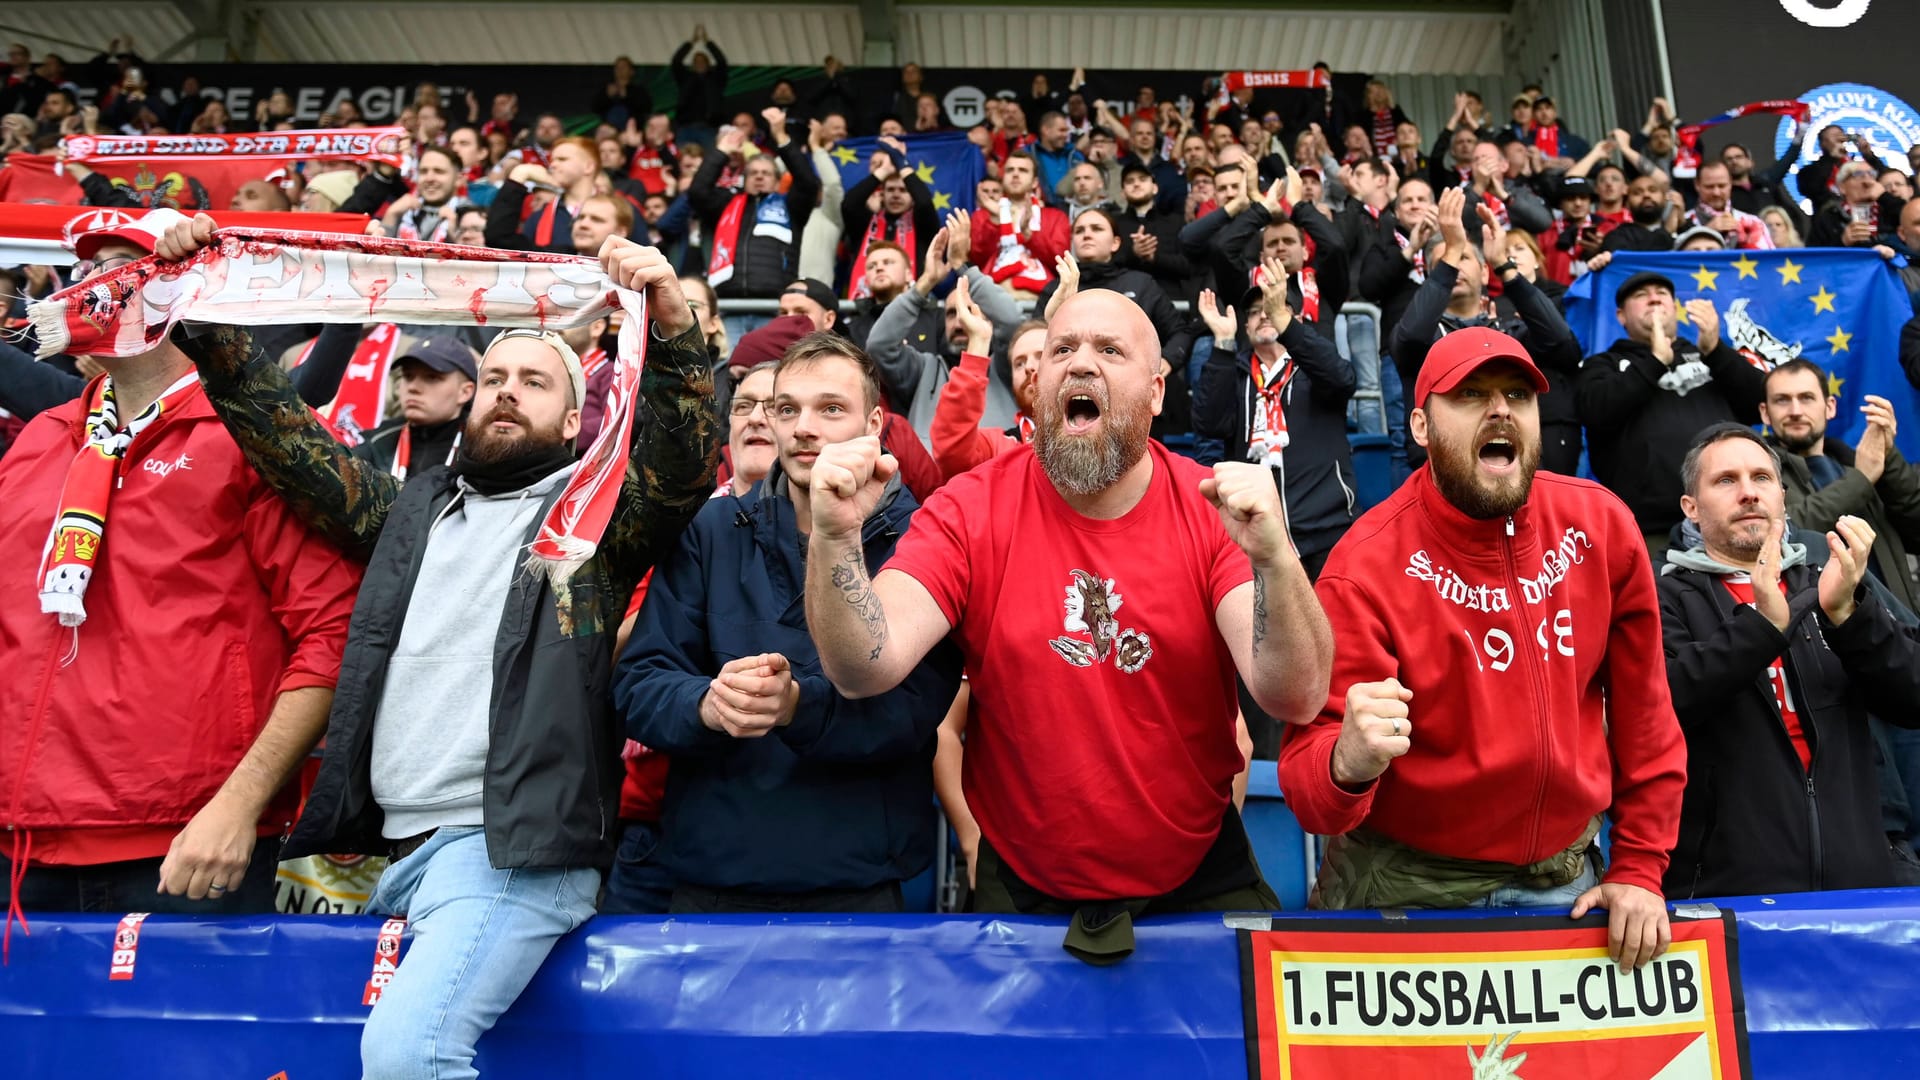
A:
(1542, 100)
(1572, 186)
(1637, 282)
(1133, 168)
(441, 354)
(815, 291)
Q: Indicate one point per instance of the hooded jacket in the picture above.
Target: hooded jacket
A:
(432, 444)
(1531, 645)
(1754, 820)
(1315, 476)
(1640, 424)
(208, 602)
(841, 797)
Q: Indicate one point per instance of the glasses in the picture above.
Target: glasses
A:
(86, 269)
(744, 406)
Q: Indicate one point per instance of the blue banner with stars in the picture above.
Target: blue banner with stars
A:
(1841, 308)
(948, 163)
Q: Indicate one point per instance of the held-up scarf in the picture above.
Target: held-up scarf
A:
(770, 219)
(1686, 153)
(251, 277)
(80, 521)
(1259, 80)
(1013, 264)
(877, 230)
(1267, 433)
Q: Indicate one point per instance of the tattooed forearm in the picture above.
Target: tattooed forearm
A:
(856, 588)
(1259, 609)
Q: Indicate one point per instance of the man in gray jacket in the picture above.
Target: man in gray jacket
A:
(912, 378)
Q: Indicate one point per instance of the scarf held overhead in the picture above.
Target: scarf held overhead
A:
(252, 277)
(1686, 155)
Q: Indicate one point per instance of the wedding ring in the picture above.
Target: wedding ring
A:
(216, 888)
(1396, 728)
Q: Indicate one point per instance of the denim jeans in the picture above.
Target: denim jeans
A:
(1207, 450)
(1359, 338)
(639, 883)
(1511, 896)
(1394, 406)
(478, 936)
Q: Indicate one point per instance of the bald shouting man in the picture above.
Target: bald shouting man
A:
(1105, 593)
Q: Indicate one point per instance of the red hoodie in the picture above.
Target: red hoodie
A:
(1538, 676)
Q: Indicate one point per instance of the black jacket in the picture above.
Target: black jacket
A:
(1636, 237)
(855, 217)
(1831, 220)
(431, 445)
(1384, 275)
(762, 265)
(929, 328)
(1753, 820)
(1638, 431)
(1235, 250)
(1891, 506)
(504, 229)
(701, 96)
(841, 797)
(1315, 476)
(1177, 275)
(1539, 326)
(551, 794)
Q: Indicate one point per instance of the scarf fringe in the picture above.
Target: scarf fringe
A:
(49, 321)
(575, 551)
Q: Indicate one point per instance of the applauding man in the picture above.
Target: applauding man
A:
(1112, 591)
(1498, 683)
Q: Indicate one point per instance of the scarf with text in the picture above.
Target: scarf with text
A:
(1686, 153)
(80, 521)
(770, 219)
(903, 234)
(256, 277)
(1311, 78)
(1014, 264)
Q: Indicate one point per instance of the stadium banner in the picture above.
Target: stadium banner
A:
(1481, 998)
(1842, 308)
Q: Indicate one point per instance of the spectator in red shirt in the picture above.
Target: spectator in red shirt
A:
(1114, 591)
(1499, 683)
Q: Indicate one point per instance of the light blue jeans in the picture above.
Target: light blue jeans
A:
(1512, 896)
(478, 936)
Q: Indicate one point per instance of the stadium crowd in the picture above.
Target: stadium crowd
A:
(839, 583)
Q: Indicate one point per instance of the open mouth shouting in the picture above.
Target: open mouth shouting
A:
(1081, 414)
(1499, 455)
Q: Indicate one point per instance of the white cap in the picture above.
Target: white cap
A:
(575, 373)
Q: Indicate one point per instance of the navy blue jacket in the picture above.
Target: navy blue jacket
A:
(842, 797)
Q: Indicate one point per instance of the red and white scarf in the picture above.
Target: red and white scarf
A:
(1014, 265)
(256, 277)
(80, 522)
(360, 405)
(903, 234)
(1308, 281)
(770, 219)
(1267, 431)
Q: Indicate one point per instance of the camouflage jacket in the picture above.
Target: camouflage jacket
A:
(551, 790)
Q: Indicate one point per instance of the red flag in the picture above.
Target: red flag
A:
(19, 221)
(202, 172)
(31, 178)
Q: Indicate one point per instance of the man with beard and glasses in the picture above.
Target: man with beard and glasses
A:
(1644, 399)
(784, 795)
(472, 736)
(1498, 684)
(1826, 479)
(1114, 590)
(1776, 662)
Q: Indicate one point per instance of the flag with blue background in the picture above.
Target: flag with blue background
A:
(1842, 308)
(947, 162)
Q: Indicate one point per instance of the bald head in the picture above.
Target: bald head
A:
(1107, 312)
(259, 196)
(1099, 389)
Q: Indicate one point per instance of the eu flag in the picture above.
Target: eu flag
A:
(947, 162)
(1841, 308)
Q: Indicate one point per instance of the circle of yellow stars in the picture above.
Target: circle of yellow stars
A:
(844, 155)
(1747, 266)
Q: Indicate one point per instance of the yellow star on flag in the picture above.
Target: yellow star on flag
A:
(1705, 279)
(924, 171)
(1822, 300)
(942, 201)
(1839, 340)
(1834, 383)
(1748, 267)
(844, 155)
(1790, 272)
(1680, 313)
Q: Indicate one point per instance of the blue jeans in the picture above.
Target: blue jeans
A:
(479, 935)
(1207, 450)
(1394, 405)
(1511, 896)
(639, 883)
(1360, 338)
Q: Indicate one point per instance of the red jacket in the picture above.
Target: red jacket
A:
(209, 600)
(1538, 675)
(1047, 243)
(959, 442)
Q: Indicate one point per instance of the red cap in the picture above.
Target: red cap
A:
(87, 232)
(769, 341)
(1461, 353)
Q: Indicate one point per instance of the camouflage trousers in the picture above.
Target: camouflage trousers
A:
(1364, 869)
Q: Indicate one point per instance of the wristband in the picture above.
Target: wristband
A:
(1504, 267)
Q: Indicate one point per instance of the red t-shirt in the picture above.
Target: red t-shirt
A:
(1100, 747)
(1741, 586)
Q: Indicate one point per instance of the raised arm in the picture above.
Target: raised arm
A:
(871, 631)
(334, 493)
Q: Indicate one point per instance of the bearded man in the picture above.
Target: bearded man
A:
(1113, 590)
(1499, 682)
(472, 737)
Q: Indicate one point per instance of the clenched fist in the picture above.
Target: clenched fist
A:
(1250, 507)
(1374, 731)
(848, 480)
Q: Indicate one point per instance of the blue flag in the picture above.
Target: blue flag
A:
(948, 163)
(1841, 308)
